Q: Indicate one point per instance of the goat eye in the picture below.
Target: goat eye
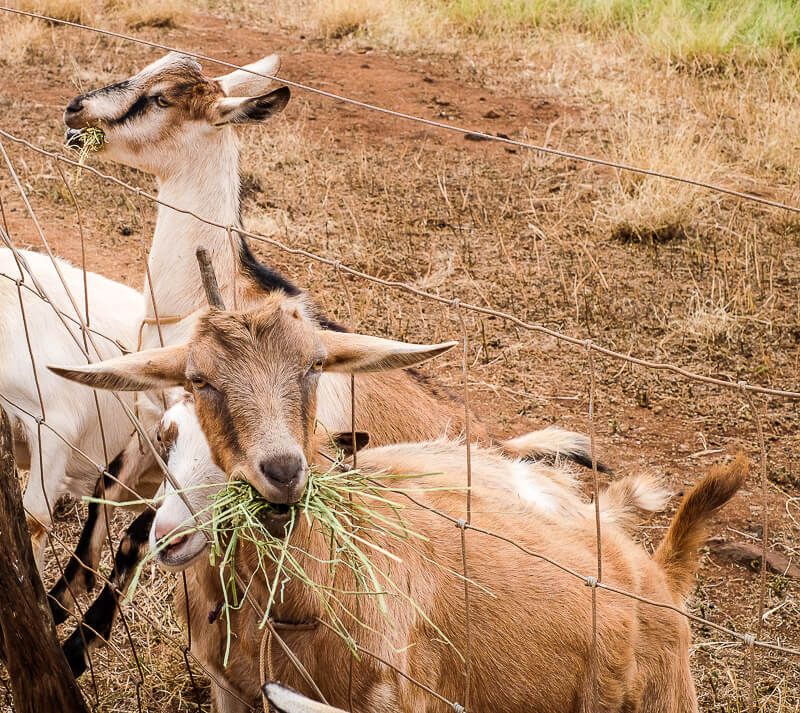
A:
(161, 101)
(315, 367)
(199, 383)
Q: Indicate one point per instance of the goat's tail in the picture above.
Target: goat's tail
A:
(284, 700)
(677, 553)
(623, 499)
(553, 443)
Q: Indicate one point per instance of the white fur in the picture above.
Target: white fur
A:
(241, 83)
(531, 489)
(552, 440)
(285, 700)
(193, 470)
(69, 409)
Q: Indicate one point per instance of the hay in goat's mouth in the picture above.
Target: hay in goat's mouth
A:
(93, 138)
(350, 509)
(353, 512)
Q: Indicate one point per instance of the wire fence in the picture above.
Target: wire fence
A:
(93, 344)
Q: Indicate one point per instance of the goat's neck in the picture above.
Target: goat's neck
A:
(209, 187)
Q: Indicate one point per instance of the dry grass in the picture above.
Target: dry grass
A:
(82, 11)
(19, 37)
(530, 234)
(340, 18)
(148, 13)
(132, 14)
(649, 208)
(701, 34)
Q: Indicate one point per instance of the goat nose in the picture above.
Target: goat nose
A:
(75, 105)
(165, 528)
(284, 468)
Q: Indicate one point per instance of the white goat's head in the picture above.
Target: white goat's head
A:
(174, 535)
(162, 117)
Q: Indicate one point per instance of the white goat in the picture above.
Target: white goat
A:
(62, 454)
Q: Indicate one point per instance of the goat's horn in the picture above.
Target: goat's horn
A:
(209, 278)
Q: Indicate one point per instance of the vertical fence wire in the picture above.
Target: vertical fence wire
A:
(468, 515)
(594, 582)
(598, 541)
(354, 445)
(752, 703)
(39, 423)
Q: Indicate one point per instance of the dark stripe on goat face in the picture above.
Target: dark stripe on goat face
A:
(109, 89)
(136, 109)
(99, 620)
(307, 383)
(221, 431)
(76, 577)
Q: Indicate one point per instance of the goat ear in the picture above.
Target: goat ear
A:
(241, 83)
(352, 353)
(250, 110)
(140, 371)
(344, 441)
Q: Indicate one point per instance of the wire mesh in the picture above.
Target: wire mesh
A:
(88, 345)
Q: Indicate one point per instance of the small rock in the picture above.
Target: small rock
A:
(475, 137)
(491, 114)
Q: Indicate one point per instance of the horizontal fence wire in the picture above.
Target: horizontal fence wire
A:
(411, 289)
(751, 640)
(421, 120)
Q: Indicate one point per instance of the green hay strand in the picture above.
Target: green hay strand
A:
(351, 510)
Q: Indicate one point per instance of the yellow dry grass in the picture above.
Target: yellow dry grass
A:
(19, 36)
(148, 13)
(82, 11)
(132, 14)
(642, 207)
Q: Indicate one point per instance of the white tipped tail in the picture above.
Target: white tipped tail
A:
(552, 442)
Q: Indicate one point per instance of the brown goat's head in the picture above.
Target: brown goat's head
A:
(161, 117)
(254, 377)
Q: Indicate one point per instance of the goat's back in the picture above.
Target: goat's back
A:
(530, 621)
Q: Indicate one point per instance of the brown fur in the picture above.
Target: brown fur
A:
(677, 553)
(273, 344)
(530, 622)
(254, 378)
(526, 615)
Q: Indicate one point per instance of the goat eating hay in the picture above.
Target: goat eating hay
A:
(349, 508)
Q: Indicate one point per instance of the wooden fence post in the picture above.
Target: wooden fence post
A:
(40, 677)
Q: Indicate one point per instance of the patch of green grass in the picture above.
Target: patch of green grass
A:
(681, 29)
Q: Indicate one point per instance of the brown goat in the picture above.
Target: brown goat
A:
(254, 377)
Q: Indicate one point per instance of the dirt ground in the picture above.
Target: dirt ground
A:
(494, 226)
